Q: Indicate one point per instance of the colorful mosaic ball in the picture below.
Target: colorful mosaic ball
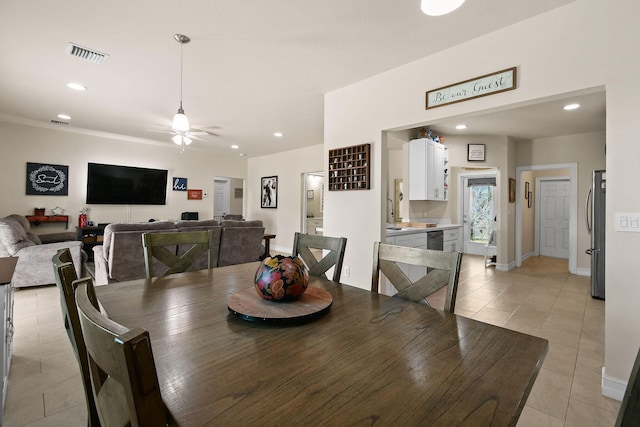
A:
(281, 278)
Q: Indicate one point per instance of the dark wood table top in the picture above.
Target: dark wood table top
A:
(7, 267)
(371, 360)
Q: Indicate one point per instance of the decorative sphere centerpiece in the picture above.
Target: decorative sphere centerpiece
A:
(281, 278)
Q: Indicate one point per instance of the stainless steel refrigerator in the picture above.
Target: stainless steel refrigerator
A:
(595, 218)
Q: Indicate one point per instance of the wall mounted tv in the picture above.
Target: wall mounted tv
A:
(125, 185)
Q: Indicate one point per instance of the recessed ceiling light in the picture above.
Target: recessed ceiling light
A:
(278, 134)
(76, 86)
(64, 116)
(439, 7)
(242, 154)
(571, 106)
(235, 146)
(461, 126)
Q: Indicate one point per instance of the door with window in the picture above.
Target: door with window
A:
(478, 217)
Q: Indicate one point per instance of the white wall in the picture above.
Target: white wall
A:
(592, 41)
(289, 167)
(21, 144)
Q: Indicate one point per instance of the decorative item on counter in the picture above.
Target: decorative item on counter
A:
(82, 218)
(38, 211)
(281, 278)
(57, 210)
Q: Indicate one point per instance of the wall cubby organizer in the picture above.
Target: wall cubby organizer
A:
(349, 168)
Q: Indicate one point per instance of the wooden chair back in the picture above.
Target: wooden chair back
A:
(65, 274)
(123, 371)
(156, 245)
(629, 412)
(302, 245)
(442, 269)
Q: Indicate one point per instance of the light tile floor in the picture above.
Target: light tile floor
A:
(540, 298)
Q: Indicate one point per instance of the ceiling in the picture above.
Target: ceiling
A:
(253, 67)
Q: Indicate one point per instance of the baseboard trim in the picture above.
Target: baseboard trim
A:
(613, 387)
(583, 271)
(528, 255)
(281, 249)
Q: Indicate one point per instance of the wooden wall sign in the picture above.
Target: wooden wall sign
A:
(489, 84)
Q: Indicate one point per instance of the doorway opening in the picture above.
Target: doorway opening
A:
(312, 202)
(523, 212)
(228, 196)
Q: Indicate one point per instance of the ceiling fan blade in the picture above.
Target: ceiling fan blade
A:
(161, 131)
(200, 132)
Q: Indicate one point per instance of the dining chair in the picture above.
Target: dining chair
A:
(303, 245)
(441, 269)
(65, 274)
(123, 371)
(629, 412)
(156, 246)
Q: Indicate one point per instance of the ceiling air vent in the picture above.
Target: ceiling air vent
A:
(86, 53)
(58, 122)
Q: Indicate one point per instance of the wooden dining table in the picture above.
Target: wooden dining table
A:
(369, 360)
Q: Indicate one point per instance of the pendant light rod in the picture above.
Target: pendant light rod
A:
(180, 120)
(182, 39)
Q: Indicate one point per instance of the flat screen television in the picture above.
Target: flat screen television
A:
(125, 185)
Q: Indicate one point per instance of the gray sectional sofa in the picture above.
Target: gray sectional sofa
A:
(121, 256)
(34, 252)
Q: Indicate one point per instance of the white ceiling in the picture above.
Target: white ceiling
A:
(253, 67)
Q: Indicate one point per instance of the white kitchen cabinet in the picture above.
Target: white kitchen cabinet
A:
(451, 240)
(416, 240)
(427, 163)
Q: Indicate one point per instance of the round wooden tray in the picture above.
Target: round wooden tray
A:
(248, 305)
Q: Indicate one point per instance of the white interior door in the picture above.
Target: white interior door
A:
(221, 197)
(555, 213)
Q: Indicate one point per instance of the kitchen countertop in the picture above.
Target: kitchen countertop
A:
(415, 230)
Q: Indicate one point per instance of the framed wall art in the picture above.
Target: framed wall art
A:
(194, 194)
(179, 184)
(512, 190)
(47, 180)
(269, 192)
(475, 152)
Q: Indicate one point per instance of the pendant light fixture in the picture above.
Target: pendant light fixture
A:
(180, 120)
(439, 7)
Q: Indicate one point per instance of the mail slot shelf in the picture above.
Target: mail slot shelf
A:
(349, 168)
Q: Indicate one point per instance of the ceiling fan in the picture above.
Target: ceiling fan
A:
(182, 132)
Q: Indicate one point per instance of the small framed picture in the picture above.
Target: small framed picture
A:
(475, 152)
(309, 194)
(512, 190)
(269, 192)
(194, 194)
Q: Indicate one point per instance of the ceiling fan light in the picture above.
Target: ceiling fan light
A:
(186, 140)
(439, 7)
(177, 139)
(180, 121)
